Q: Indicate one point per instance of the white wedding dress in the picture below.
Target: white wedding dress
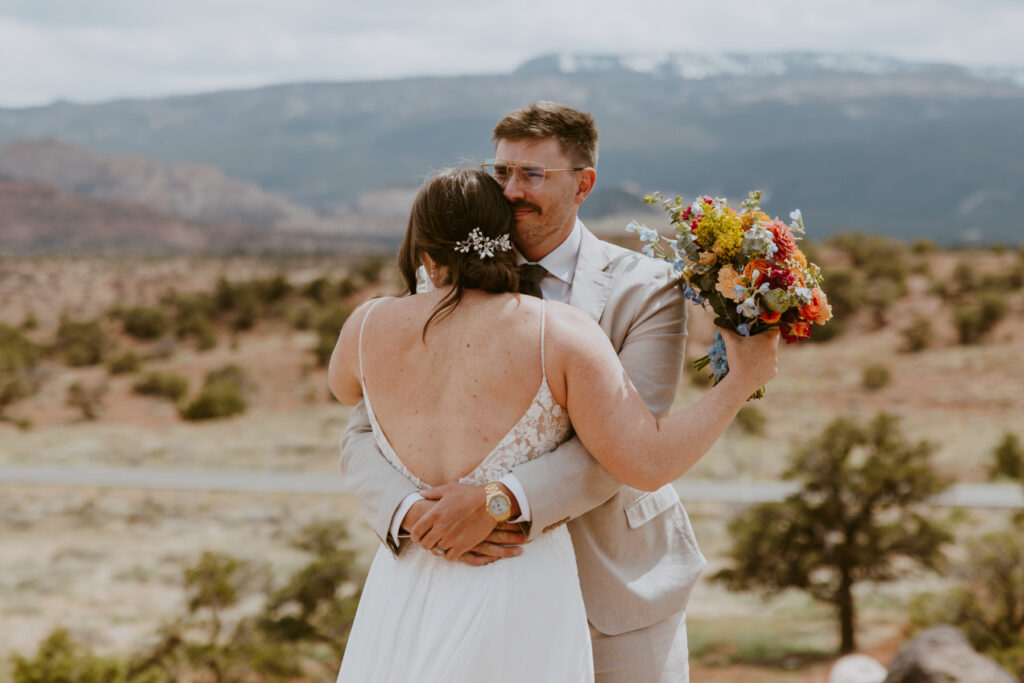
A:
(518, 620)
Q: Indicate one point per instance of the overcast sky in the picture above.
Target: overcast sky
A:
(95, 50)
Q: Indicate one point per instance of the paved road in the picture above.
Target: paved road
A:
(1000, 495)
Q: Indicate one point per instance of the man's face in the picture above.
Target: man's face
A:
(544, 216)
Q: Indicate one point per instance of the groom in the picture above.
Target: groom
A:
(637, 556)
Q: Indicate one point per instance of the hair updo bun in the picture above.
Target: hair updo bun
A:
(450, 206)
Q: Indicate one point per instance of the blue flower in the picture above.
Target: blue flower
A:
(743, 329)
(691, 295)
(719, 362)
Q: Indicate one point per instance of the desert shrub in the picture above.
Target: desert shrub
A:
(222, 395)
(328, 325)
(924, 247)
(988, 605)
(127, 362)
(88, 398)
(301, 316)
(300, 634)
(845, 292)
(30, 322)
(369, 270)
(347, 286)
(875, 377)
(964, 278)
(192, 318)
(145, 322)
(976, 318)
(917, 335)
(165, 385)
(1008, 459)
(59, 659)
(319, 290)
(751, 420)
(81, 343)
(18, 357)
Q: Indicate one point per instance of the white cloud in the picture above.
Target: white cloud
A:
(103, 49)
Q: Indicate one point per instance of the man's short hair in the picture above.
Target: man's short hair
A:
(574, 129)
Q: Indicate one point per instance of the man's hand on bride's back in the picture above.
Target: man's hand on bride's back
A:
(459, 524)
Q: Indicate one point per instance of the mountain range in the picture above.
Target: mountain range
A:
(856, 142)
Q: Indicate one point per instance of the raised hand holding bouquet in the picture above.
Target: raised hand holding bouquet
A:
(743, 264)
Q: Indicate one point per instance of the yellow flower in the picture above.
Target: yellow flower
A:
(728, 278)
(721, 232)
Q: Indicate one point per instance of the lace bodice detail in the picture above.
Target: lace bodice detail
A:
(543, 426)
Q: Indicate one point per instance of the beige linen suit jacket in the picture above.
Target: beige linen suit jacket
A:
(636, 552)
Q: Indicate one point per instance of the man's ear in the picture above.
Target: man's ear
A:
(585, 183)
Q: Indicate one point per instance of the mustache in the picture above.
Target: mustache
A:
(521, 204)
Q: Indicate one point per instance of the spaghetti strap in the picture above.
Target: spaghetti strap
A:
(543, 365)
(362, 326)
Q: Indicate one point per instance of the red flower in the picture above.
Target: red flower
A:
(794, 332)
(783, 238)
(771, 317)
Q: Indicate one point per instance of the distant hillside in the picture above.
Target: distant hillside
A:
(855, 142)
(190, 191)
(39, 218)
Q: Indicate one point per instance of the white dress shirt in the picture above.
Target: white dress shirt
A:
(556, 286)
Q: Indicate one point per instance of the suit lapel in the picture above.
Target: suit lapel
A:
(591, 282)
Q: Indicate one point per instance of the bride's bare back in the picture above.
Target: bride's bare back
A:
(446, 402)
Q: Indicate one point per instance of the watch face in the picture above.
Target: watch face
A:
(498, 505)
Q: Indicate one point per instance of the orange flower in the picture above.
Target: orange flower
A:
(783, 239)
(748, 219)
(728, 279)
(818, 310)
(800, 258)
(762, 266)
(771, 317)
(793, 332)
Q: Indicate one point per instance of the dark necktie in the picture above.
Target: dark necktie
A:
(530, 275)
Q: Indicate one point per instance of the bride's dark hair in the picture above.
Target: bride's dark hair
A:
(449, 206)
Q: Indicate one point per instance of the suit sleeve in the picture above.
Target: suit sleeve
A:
(367, 475)
(568, 482)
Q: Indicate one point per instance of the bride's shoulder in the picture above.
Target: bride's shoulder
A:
(569, 325)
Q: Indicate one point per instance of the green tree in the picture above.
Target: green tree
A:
(857, 512)
(59, 659)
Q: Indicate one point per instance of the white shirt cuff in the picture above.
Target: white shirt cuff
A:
(511, 482)
(396, 522)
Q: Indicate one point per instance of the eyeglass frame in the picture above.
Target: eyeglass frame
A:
(493, 163)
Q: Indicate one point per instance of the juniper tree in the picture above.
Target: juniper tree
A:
(858, 511)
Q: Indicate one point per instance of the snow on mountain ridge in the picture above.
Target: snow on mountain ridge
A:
(699, 66)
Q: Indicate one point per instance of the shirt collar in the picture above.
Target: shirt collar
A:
(561, 261)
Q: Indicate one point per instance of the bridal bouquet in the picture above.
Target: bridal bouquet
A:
(746, 266)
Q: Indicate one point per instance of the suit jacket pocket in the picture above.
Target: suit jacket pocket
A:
(650, 505)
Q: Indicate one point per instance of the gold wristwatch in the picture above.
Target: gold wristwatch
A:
(498, 504)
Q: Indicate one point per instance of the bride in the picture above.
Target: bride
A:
(473, 368)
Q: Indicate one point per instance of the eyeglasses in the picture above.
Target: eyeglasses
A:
(527, 172)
